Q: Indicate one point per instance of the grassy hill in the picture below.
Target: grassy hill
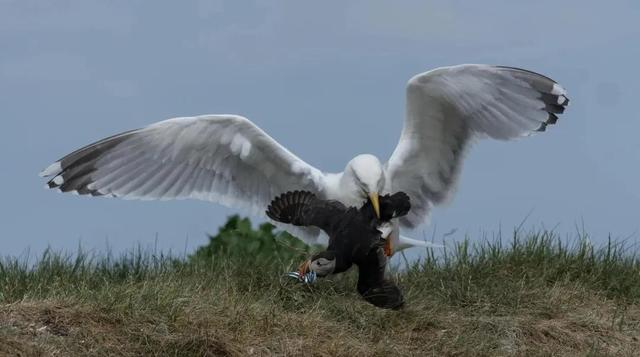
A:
(529, 295)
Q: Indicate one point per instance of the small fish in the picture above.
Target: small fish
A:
(308, 278)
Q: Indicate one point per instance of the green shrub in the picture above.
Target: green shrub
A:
(238, 241)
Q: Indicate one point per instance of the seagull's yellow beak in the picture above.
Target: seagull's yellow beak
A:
(373, 196)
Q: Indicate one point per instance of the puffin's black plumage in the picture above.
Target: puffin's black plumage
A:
(353, 237)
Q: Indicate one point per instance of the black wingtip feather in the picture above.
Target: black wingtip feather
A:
(554, 108)
(75, 168)
(542, 127)
(555, 101)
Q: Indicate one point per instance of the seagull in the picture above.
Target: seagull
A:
(354, 238)
(227, 159)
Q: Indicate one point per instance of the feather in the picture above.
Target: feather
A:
(446, 108)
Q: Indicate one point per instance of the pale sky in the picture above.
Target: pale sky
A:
(72, 72)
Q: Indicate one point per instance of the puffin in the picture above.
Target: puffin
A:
(355, 238)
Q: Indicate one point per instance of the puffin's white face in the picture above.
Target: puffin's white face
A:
(367, 178)
(323, 264)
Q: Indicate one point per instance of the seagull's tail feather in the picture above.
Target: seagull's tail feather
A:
(406, 242)
(287, 208)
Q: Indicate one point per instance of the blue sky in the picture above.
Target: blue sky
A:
(72, 72)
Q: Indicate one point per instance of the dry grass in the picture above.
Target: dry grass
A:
(517, 302)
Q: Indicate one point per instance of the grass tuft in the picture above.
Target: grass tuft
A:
(533, 294)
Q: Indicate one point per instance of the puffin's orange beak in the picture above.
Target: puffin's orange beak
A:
(304, 267)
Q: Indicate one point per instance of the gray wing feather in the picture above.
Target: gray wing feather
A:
(219, 158)
(449, 106)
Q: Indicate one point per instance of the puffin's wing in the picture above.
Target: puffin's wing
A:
(219, 158)
(303, 208)
(394, 206)
(448, 106)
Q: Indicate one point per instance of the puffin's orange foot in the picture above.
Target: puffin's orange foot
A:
(388, 250)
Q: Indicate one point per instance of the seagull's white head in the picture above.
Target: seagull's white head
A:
(364, 178)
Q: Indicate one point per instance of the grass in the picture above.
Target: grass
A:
(529, 295)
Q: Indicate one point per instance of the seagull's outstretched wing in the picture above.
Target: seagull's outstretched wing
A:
(218, 158)
(448, 106)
